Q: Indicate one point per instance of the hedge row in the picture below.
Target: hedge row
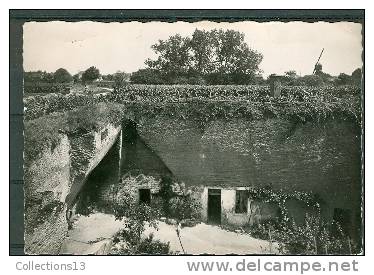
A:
(177, 93)
(38, 106)
(46, 88)
(253, 101)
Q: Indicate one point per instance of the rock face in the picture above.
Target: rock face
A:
(47, 182)
(53, 181)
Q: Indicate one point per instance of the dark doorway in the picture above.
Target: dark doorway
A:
(214, 206)
(144, 196)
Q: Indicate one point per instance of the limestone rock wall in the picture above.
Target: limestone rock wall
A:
(53, 181)
(47, 182)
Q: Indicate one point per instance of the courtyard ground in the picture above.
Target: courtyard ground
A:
(92, 235)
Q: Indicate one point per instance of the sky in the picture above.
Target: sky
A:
(113, 47)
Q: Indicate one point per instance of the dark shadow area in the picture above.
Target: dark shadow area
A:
(106, 173)
(214, 206)
(137, 155)
(134, 157)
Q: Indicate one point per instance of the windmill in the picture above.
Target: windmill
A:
(315, 66)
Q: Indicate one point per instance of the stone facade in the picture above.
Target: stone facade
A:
(322, 157)
(256, 212)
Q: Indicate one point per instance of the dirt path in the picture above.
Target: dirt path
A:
(209, 239)
(92, 235)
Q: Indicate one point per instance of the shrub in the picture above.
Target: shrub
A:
(62, 76)
(147, 246)
(91, 74)
(184, 207)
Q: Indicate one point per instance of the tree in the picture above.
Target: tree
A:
(120, 78)
(76, 78)
(344, 79)
(62, 76)
(146, 76)
(202, 51)
(173, 57)
(91, 74)
(135, 216)
(38, 76)
(356, 76)
(220, 57)
(233, 55)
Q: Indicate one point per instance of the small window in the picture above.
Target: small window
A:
(241, 202)
(104, 134)
(144, 196)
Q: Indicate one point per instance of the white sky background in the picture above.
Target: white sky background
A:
(125, 46)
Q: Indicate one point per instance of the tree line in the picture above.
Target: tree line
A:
(62, 76)
(216, 57)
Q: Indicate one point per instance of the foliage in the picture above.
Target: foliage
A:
(184, 207)
(37, 106)
(208, 102)
(177, 206)
(147, 246)
(353, 79)
(38, 76)
(320, 78)
(267, 194)
(213, 57)
(106, 84)
(148, 76)
(314, 236)
(356, 77)
(253, 102)
(312, 80)
(45, 88)
(120, 78)
(44, 132)
(166, 193)
(62, 76)
(136, 216)
(91, 74)
(40, 135)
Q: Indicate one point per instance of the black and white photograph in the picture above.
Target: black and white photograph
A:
(193, 138)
